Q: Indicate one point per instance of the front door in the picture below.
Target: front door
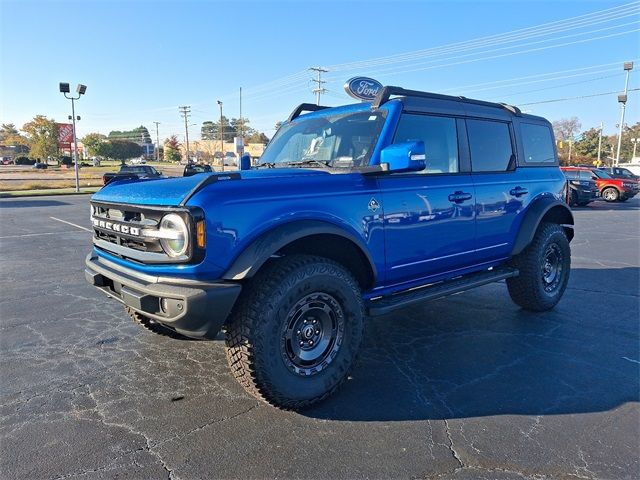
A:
(429, 219)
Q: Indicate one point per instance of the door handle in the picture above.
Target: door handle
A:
(518, 192)
(459, 197)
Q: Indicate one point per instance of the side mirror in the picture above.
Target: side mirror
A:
(404, 157)
(245, 162)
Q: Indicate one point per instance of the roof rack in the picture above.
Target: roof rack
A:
(304, 107)
(386, 92)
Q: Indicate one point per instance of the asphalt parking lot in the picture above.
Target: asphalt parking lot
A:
(465, 387)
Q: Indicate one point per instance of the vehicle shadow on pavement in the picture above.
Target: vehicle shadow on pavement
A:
(31, 203)
(477, 354)
(602, 205)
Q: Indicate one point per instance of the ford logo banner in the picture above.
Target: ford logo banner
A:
(362, 88)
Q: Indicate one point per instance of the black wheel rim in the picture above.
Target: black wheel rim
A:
(312, 333)
(552, 268)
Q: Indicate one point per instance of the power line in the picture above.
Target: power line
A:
(575, 98)
(581, 21)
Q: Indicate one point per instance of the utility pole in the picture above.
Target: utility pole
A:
(600, 141)
(635, 144)
(319, 90)
(185, 111)
(241, 122)
(157, 142)
(622, 99)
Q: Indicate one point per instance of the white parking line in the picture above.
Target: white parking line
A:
(36, 234)
(72, 224)
(631, 360)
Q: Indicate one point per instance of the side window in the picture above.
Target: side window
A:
(440, 137)
(586, 175)
(490, 145)
(537, 143)
(571, 174)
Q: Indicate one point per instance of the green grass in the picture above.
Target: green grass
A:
(52, 191)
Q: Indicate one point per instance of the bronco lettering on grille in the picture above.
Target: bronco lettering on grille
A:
(116, 227)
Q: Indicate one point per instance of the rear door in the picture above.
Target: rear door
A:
(429, 215)
(501, 188)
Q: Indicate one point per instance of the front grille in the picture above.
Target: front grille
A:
(128, 216)
(120, 230)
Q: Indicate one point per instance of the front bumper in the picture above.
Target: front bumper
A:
(585, 194)
(192, 308)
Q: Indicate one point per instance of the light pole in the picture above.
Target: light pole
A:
(635, 144)
(221, 129)
(80, 89)
(600, 141)
(622, 99)
(157, 142)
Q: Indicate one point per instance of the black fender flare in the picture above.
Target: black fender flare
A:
(556, 210)
(260, 250)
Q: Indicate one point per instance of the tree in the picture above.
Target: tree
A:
(137, 135)
(172, 149)
(565, 131)
(566, 128)
(10, 137)
(42, 134)
(94, 144)
(257, 137)
(211, 130)
(120, 150)
(587, 145)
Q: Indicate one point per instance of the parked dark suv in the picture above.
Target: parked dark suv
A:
(620, 172)
(582, 185)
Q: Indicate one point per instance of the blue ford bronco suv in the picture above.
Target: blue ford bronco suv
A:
(351, 212)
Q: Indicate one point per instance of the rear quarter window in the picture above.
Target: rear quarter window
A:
(537, 143)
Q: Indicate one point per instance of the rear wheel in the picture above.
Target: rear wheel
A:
(544, 268)
(296, 331)
(610, 194)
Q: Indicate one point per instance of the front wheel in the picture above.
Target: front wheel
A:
(610, 194)
(544, 268)
(296, 331)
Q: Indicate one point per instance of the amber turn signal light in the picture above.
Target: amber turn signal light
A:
(200, 237)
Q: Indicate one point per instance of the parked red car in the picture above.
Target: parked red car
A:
(611, 189)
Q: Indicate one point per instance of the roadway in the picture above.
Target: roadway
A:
(466, 387)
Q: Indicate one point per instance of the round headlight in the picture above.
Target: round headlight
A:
(174, 235)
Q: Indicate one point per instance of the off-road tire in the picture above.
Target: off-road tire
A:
(528, 289)
(610, 194)
(256, 345)
(155, 327)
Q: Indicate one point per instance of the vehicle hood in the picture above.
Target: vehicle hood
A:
(174, 190)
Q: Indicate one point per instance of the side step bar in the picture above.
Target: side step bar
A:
(390, 303)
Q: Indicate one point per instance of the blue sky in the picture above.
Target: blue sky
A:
(142, 59)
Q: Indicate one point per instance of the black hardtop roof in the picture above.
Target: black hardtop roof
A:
(418, 98)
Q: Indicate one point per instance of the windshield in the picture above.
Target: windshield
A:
(339, 141)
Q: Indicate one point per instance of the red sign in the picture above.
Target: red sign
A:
(65, 135)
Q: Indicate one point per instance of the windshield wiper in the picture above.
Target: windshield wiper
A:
(265, 165)
(320, 163)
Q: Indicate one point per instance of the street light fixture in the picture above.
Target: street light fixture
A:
(80, 90)
(622, 99)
